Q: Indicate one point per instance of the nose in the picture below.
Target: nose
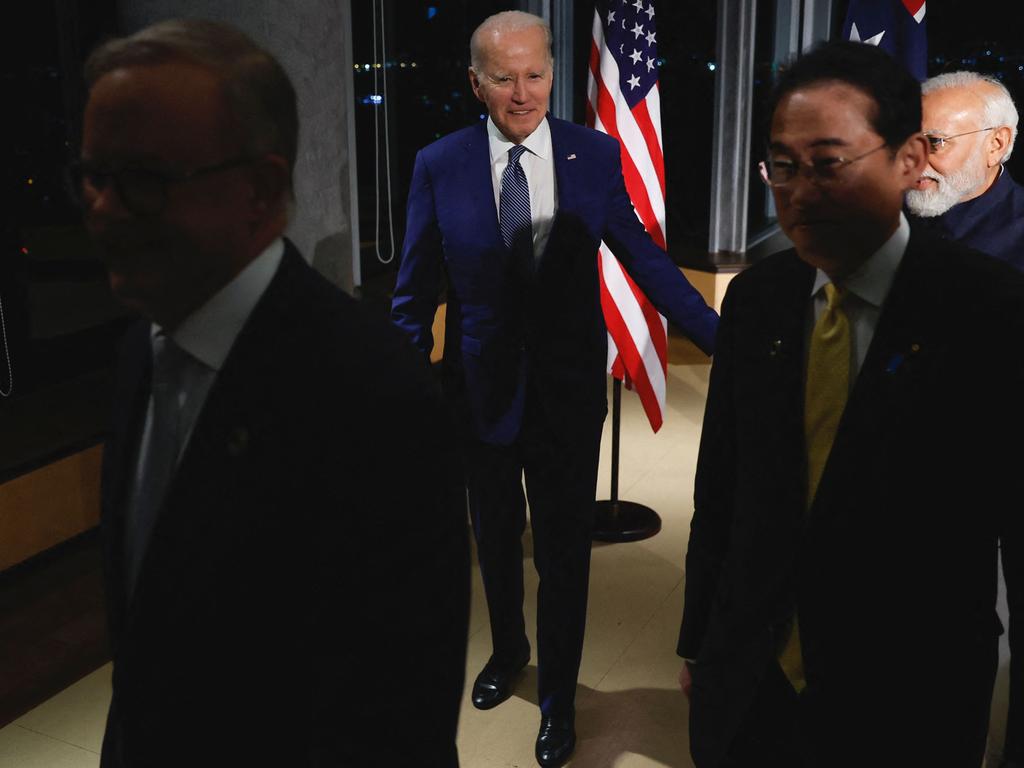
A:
(519, 91)
(802, 189)
(102, 201)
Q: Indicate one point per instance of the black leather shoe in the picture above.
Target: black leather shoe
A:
(556, 740)
(496, 681)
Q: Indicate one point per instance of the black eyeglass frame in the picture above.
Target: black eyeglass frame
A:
(79, 172)
(817, 172)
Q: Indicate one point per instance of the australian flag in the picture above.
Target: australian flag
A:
(895, 26)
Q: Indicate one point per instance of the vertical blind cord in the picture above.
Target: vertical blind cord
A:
(380, 65)
(6, 353)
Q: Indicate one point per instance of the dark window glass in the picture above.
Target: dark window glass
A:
(60, 323)
(423, 66)
(686, 38)
(967, 35)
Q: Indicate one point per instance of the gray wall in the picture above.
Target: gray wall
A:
(309, 39)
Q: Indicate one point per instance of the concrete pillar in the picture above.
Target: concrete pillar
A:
(311, 41)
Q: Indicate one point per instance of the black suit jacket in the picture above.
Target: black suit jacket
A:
(304, 596)
(893, 570)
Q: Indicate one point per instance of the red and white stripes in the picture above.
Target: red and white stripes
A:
(638, 343)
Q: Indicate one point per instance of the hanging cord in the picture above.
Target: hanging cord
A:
(7, 354)
(381, 64)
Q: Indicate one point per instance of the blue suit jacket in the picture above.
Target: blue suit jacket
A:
(504, 328)
(992, 223)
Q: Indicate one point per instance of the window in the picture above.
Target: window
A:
(61, 324)
(410, 90)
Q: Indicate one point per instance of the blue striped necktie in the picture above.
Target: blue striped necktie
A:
(514, 215)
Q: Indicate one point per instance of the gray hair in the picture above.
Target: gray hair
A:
(999, 107)
(259, 96)
(506, 21)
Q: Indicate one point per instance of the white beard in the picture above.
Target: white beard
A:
(951, 188)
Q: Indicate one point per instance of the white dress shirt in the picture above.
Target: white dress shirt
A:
(867, 289)
(539, 166)
(208, 334)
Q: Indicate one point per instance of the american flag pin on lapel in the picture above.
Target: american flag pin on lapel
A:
(571, 157)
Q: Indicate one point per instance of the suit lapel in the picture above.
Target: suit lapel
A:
(779, 360)
(131, 398)
(566, 181)
(474, 176)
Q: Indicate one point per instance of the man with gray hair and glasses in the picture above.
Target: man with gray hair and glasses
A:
(965, 193)
(264, 571)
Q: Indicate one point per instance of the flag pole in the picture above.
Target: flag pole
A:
(616, 520)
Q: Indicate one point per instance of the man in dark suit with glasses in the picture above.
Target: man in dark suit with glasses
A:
(853, 478)
(275, 596)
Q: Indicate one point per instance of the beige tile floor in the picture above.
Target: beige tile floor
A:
(629, 711)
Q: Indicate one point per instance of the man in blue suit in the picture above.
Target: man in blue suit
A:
(511, 211)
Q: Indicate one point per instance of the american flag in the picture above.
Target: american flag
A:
(895, 26)
(623, 101)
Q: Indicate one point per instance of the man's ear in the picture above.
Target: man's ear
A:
(912, 159)
(474, 83)
(998, 142)
(268, 179)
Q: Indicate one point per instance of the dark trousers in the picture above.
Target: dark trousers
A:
(777, 731)
(561, 482)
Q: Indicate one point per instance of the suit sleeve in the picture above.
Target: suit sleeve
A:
(1012, 551)
(393, 567)
(419, 274)
(714, 493)
(652, 269)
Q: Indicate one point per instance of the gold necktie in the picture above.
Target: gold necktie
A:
(828, 383)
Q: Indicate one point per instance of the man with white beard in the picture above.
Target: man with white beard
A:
(971, 125)
(965, 193)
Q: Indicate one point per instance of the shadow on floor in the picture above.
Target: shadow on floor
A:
(651, 722)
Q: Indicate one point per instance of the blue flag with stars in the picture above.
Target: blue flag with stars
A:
(895, 26)
(631, 38)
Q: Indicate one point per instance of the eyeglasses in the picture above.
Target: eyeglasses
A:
(937, 143)
(778, 172)
(142, 190)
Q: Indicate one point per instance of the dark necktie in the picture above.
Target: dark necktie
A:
(514, 214)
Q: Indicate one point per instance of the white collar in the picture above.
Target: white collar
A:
(209, 333)
(872, 280)
(537, 143)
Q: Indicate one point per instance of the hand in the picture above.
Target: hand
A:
(685, 679)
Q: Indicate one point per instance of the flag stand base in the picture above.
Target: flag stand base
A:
(615, 520)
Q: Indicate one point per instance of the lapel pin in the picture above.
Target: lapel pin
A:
(571, 157)
(776, 348)
(899, 358)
